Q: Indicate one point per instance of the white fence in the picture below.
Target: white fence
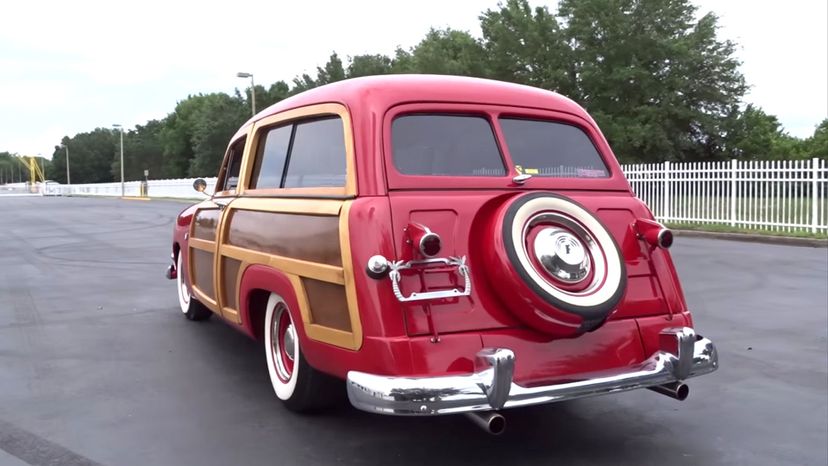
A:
(178, 188)
(787, 195)
(780, 195)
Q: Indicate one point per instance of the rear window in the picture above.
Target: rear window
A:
(445, 145)
(547, 148)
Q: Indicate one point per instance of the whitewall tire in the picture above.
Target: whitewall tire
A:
(295, 382)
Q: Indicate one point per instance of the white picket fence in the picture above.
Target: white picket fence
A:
(181, 188)
(786, 195)
(778, 195)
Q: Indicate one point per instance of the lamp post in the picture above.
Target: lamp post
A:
(116, 125)
(252, 90)
(68, 180)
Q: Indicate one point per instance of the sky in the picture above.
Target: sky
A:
(88, 64)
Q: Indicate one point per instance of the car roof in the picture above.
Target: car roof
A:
(383, 92)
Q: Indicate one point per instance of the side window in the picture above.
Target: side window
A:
(317, 156)
(230, 180)
(270, 158)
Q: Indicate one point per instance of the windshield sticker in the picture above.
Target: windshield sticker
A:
(591, 173)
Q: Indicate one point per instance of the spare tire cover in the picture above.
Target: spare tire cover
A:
(554, 264)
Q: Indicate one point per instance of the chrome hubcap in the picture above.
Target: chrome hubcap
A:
(283, 343)
(290, 339)
(562, 254)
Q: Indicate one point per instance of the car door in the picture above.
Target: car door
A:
(207, 269)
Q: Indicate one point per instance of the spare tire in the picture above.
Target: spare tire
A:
(554, 264)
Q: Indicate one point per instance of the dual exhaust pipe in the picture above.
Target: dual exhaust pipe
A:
(495, 424)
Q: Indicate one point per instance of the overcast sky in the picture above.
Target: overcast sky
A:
(70, 66)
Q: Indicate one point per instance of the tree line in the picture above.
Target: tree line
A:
(658, 81)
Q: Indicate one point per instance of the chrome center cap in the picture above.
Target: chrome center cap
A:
(562, 254)
(290, 342)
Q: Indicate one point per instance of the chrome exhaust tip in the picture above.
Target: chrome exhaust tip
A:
(676, 390)
(490, 421)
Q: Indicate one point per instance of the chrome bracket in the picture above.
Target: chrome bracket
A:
(399, 266)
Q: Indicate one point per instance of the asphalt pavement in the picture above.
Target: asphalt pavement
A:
(97, 366)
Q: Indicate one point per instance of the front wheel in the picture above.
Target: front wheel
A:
(296, 383)
(190, 307)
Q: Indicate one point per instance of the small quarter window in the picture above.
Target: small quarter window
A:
(548, 148)
(317, 155)
(445, 145)
(234, 160)
(270, 158)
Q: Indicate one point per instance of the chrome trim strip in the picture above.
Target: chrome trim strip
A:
(682, 355)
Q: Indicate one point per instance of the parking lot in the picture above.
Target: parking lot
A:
(97, 366)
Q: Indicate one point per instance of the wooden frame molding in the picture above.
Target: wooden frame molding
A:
(301, 113)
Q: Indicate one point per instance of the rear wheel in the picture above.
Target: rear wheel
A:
(296, 383)
(190, 307)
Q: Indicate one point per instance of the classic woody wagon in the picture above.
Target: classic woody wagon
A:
(444, 245)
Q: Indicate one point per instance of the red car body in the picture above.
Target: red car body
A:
(389, 212)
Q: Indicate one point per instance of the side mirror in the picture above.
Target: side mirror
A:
(200, 185)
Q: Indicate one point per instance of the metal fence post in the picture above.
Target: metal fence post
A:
(733, 166)
(666, 194)
(814, 194)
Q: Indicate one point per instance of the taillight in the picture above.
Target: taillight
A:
(654, 233)
(423, 241)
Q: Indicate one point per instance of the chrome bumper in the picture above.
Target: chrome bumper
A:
(682, 355)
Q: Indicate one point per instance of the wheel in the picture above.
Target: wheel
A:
(560, 268)
(191, 307)
(296, 383)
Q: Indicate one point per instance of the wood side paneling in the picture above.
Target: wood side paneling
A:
(328, 304)
(202, 266)
(310, 238)
(205, 223)
(229, 281)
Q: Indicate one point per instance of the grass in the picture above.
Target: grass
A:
(721, 228)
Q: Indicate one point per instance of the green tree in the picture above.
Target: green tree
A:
(444, 51)
(368, 65)
(659, 82)
(527, 46)
(817, 145)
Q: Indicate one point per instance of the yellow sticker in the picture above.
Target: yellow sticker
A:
(519, 169)
(531, 171)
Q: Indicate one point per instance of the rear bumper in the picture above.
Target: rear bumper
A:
(682, 355)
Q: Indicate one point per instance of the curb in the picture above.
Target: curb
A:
(753, 238)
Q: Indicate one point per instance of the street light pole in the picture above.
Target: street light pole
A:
(116, 125)
(252, 90)
(68, 180)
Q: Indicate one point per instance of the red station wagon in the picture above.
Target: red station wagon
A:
(443, 245)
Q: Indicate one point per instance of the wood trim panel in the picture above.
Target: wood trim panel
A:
(301, 113)
(202, 244)
(290, 206)
(326, 273)
(311, 238)
(317, 332)
(348, 275)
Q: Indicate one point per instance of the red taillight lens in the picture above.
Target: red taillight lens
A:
(424, 241)
(654, 233)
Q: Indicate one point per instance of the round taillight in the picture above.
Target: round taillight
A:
(430, 244)
(665, 238)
